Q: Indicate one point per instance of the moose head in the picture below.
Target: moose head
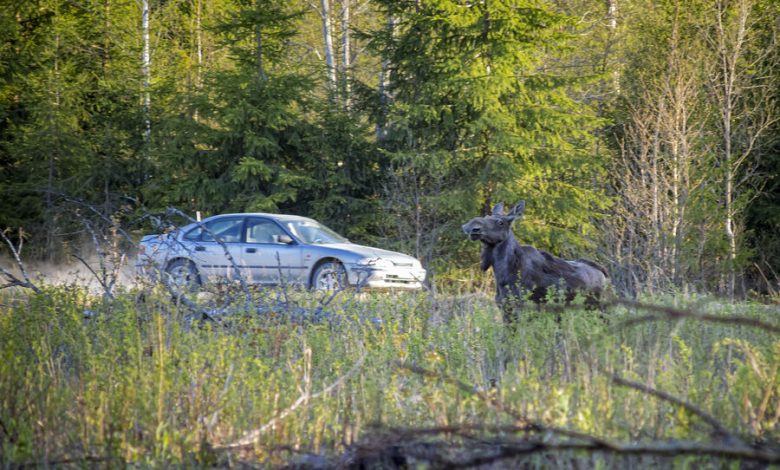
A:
(494, 228)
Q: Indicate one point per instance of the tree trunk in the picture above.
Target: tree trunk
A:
(146, 69)
(612, 15)
(730, 51)
(346, 60)
(384, 84)
(51, 217)
(328, 40)
(259, 46)
(198, 43)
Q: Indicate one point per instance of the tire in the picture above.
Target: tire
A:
(329, 276)
(183, 276)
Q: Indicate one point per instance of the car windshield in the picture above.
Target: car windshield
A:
(313, 233)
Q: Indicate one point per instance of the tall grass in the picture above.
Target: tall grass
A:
(140, 382)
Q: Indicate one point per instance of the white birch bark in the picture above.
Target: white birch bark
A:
(328, 43)
(147, 75)
(729, 44)
(346, 59)
(384, 84)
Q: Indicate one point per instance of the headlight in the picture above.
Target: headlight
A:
(376, 262)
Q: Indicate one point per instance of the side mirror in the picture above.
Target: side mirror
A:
(285, 239)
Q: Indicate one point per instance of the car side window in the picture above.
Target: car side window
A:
(263, 231)
(194, 234)
(226, 230)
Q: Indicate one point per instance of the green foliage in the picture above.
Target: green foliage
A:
(139, 384)
(72, 118)
(481, 102)
(476, 118)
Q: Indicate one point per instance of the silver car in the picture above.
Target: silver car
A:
(273, 249)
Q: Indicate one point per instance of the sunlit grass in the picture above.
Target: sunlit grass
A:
(142, 382)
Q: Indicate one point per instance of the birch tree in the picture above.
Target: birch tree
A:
(327, 37)
(346, 59)
(743, 100)
(147, 75)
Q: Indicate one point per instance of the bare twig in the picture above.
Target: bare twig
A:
(662, 312)
(527, 423)
(220, 401)
(282, 281)
(234, 265)
(703, 415)
(14, 281)
(249, 438)
(94, 210)
(491, 401)
(194, 306)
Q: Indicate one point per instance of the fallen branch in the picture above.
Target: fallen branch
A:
(194, 306)
(498, 446)
(67, 462)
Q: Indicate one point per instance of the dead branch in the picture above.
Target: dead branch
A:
(703, 415)
(491, 401)
(13, 281)
(194, 306)
(94, 210)
(249, 438)
(662, 312)
(69, 461)
(234, 265)
(107, 277)
(493, 444)
(527, 423)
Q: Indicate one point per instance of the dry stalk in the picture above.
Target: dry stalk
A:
(249, 438)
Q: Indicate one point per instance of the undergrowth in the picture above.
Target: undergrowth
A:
(84, 381)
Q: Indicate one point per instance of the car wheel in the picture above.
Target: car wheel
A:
(183, 276)
(330, 275)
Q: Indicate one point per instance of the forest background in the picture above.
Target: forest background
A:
(641, 132)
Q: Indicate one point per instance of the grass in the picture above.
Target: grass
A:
(141, 383)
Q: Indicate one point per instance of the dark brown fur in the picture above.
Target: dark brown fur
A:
(522, 271)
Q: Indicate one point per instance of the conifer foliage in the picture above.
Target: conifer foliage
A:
(644, 132)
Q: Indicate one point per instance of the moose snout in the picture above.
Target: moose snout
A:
(472, 230)
(468, 229)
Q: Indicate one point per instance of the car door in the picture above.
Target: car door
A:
(209, 253)
(271, 254)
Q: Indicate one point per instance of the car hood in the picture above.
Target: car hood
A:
(361, 251)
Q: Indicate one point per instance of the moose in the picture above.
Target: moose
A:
(523, 271)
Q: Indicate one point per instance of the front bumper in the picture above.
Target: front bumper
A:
(371, 277)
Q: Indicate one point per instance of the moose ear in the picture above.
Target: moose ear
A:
(517, 211)
(498, 209)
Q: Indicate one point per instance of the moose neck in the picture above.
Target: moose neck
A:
(509, 241)
(500, 252)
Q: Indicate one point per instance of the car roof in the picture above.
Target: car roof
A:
(260, 214)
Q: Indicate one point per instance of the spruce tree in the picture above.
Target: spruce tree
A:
(477, 115)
